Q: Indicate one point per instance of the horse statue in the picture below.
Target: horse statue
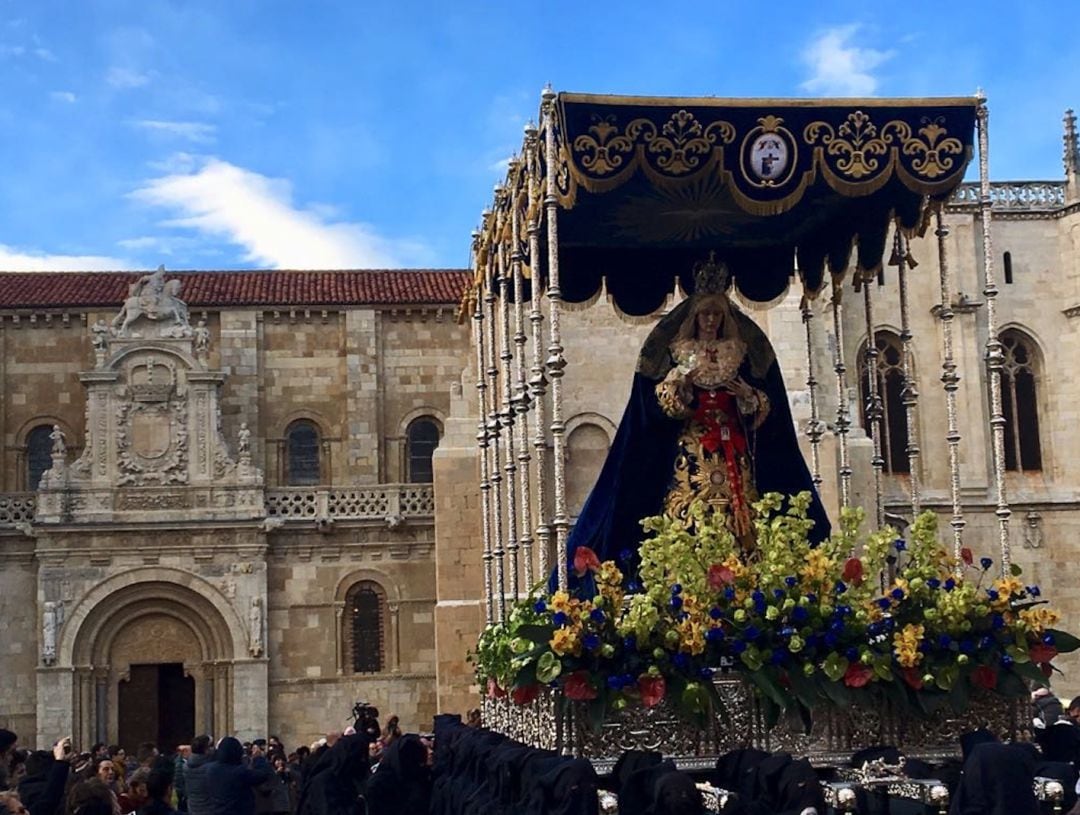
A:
(154, 298)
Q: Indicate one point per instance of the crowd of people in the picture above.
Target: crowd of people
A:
(363, 770)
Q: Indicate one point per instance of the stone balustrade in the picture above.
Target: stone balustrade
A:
(17, 508)
(380, 502)
(1015, 196)
(389, 503)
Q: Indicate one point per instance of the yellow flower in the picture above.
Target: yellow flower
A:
(1008, 586)
(817, 566)
(560, 601)
(691, 637)
(609, 574)
(1039, 618)
(906, 645)
(566, 641)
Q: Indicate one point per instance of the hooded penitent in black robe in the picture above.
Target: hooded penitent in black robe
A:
(402, 782)
(639, 468)
(997, 780)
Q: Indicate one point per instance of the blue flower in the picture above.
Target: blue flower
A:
(900, 544)
(681, 660)
(591, 642)
(633, 587)
(986, 563)
(751, 632)
(791, 581)
(1048, 639)
(852, 653)
(629, 642)
(1006, 660)
(729, 593)
(778, 656)
(540, 607)
(997, 622)
(596, 615)
(950, 584)
(715, 613)
(884, 603)
(757, 597)
(831, 639)
(625, 555)
(676, 588)
(897, 594)
(840, 587)
(787, 631)
(714, 634)
(676, 602)
(1034, 591)
(843, 611)
(615, 682)
(738, 647)
(798, 614)
(944, 641)
(836, 625)
(984, 643)
(778, 594)
(811, 597)
(706, 673)
(992, 594)
(933, 583)
(967, 647)
(560, 619)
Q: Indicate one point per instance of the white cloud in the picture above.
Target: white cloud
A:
(12, 50)
(221, 200)
(21, 260)
(45, 54)
(840, 68)
(197, 132)
(63, 96)
(126, 77)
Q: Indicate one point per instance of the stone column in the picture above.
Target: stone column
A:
(459, 608)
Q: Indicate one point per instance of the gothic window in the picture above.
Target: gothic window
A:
(38, 454)
(1019, 403)
(365, 627)
(422, 439)
(302, 450)
(890, 387)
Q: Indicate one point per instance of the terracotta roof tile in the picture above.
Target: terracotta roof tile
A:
(352, 287)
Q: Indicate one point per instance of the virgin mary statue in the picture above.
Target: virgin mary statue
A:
(708, 420)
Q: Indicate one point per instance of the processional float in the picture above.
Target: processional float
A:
(628, 195)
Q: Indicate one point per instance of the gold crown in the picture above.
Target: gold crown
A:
(711, 277)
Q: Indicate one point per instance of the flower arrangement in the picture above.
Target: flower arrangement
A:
(848, 621)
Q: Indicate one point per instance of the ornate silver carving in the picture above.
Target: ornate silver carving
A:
(843, 418)
(1029, 196)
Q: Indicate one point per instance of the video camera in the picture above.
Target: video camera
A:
(366, 719)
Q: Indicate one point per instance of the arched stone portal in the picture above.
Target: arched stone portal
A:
(151, 632)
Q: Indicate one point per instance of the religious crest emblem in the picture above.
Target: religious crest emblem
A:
(768, 155)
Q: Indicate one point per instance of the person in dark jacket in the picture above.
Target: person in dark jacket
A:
(8, 742)
(402, 782)
(42, 788)
(336, 780)
(198, 800)
(229, 784)
(997, 780)
(159, 789)
(272, 796)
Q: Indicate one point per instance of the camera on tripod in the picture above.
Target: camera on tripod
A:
(366, 719)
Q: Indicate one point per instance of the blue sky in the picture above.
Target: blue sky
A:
(316, 134)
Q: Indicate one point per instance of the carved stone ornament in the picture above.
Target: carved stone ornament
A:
(153, 299)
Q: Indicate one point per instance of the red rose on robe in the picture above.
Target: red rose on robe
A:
(1041, 653)
(858, 675)
(720, 576)
(913, 676)
(966, 556)
(652, 689)
(525, 694)
(494, 691)
(984, 677)
(585, 560)
(578, 687)
(853, 571)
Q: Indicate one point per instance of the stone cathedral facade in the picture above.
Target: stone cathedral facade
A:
(239, 502)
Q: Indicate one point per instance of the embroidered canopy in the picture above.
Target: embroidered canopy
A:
(647, 186)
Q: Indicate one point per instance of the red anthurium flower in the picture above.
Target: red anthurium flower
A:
(585, 560)
(984, 677)
(578, 687)
(1041, 654)
(853, 571)
(913, 676)
(525, 694)
(720, 576)
(858, 675)
(652, 689)
(966, 556)
(494, 691)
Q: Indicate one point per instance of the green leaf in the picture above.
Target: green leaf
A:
(536, 633)
(959, 697)
(597, 712)
(805, 689)
(1015, 570)
(769, 688)
(1031, 672)
(1011, 685)
(1065, 643)
(835, 666)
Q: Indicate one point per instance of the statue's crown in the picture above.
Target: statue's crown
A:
(711, 277)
